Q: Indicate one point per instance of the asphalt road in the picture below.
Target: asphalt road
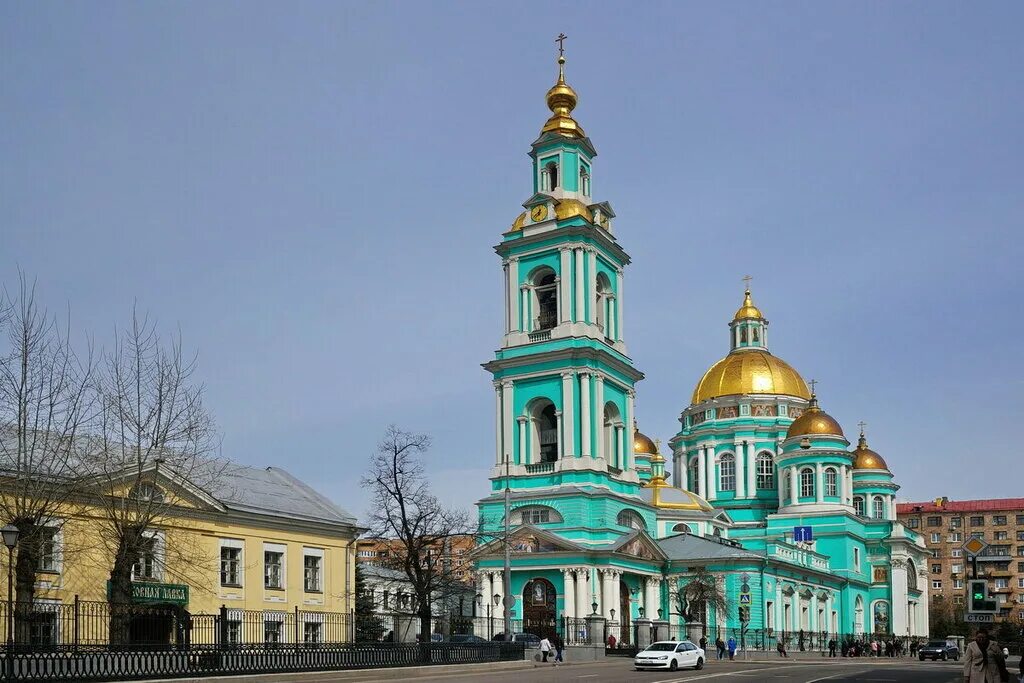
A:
(614, 670)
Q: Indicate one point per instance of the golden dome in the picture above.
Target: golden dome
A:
(748, 309)
(517, 224)
(814, 421)
(750, 371)
(662, 495)
(564, 209)
(866, 459)
(642, 443)
(561, 101)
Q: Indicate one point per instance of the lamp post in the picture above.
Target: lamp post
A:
(10, 535)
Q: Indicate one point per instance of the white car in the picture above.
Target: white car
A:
(671, 655)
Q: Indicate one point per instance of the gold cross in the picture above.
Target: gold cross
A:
(561, 43)
(746, 280)
(813, 384)
(862, 424)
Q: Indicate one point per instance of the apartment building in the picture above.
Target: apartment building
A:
(383, 552)
(947, 524)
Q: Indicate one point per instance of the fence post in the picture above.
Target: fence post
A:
(296, 628)
(352, 626)
(222, 627)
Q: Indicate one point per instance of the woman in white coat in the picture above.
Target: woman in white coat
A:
(984, 661)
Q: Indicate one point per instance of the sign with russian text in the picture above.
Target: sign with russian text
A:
(145, 592)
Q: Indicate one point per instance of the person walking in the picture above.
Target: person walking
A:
(559, 647)
(781, 648)
(832, 647)
(732, 648)
(704, 643)
(874, 648)
(984, 661)
(545, 649)
(720, 647)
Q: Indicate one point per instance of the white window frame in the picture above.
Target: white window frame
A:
(936, 584)
(806, 482)
(309, 618)
(877, 507)
(727, 472)
(958, 583)
(278, 618)
(281, 549)
(765, 471)
(159, 556)
(831, 482)
(51, 605)
(238, 544)
(58, 547)
(322, 579)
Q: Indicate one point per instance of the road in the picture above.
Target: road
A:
(615, 670)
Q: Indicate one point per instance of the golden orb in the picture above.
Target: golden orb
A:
(748, 309)
(814, 421)
(866, 459)
(750, 371)
(643, 443)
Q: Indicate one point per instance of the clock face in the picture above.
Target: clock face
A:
(539, 213)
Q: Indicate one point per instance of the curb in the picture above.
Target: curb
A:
(397, 672)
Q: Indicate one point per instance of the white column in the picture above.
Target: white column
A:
(778, 625)
(794, 612)
(585, 414)
(712, 493)
(892, 507)
(565, 300)
(569, 591)
(508, 308)
(599, 451)
(568, 414)
(592, 284)
(618, 307)
(582, 598)
(741, 469)
(507, 422)
(702, 475)
(780, 472)
(682, 471)
(627, 456)
(621, 447)
(794, 485)
(843, 493)
(558, 435)
(849, 483)
(898, 607)
(513, 293)
(751, 468)
(819, 491)
(610, 328)
(524, 452)
(736, 336)
(653, 598)
(524, 305)
(615, 592)
(812, 620)
(498, 430)
(580, 286)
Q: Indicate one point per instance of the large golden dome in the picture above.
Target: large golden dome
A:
(866, 459)
(750, 371)
(814, 421)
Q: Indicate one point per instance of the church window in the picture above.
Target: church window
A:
(552, 170)
(602, 303)
(878, 508)
(682, 528)
(545, 289)
(693, 480)
(584, 181)
(535, 514)
(743, 335)
(765, 472)
(610, 435)
(858, 505)
(806, 482)
(727, 472)
(856, 559)
(831, 481)
(631, 519)
(545, 433)
(754, 335)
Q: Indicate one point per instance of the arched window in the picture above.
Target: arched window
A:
(858, 505)
(765, 472)
(806, 482)
(610, 435)
(630, 519)
(545, 289)
(682, 528)
(147, 491)
(878, 508)
(911, 575)
(727, 472)
(584, 181)
(535, 514)
(545, 432)
(692, 479)
(831, 482)
(552, 170)
(602, 303)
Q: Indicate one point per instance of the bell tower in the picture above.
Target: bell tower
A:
(563, 381)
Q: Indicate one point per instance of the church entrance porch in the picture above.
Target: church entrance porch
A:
(539, 608)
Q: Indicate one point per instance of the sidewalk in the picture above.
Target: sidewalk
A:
(396, 673)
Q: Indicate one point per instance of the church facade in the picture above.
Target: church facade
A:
(797, 528)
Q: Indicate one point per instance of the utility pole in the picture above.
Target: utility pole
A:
(507, 574)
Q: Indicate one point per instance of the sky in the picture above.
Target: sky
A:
(311, 192)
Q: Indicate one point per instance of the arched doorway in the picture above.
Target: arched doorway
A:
(624, 611)
(539, 607)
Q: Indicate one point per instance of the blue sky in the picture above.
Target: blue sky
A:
(310, 192)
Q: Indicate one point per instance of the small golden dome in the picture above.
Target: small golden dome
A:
(567, 208)
(662, 495)
(561, 101)
(748, 309)
(814, 421)
(517, 224)
(750, 371)
(643, 443)
(866, 459)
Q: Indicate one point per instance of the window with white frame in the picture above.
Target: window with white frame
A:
(831, 482)
(1002, 583)
(935, 537)
(44, 627)
(858, 506)
(956, 568)
(49, 548)
(937, 585)
(958, 583)
(956, 553)
(856, 559)
(231, 570)
(149, 557)
(806, 482)
(1020, 582)
(727, 472)
(272, 630)
(312, 629)
(765, 472)
(630, 519)
(878, 508)
(313, 569)
(274, 564)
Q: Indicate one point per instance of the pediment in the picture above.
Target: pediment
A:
(639, 544)
(174, 490)
(539, 198)
(528, 539)
(604, 207)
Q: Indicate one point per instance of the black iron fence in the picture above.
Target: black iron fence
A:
(823, 642)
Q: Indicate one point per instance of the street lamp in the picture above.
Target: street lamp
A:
(10, 534)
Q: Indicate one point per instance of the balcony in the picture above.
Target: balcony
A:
(540, 335)
(540, 468)
(796, 555)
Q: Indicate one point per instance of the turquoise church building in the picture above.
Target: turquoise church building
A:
(765, 492)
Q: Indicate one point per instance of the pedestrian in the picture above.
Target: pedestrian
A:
(874, 648)
(704, 643)
(913, 647)
(984, 661)
(545, 649)
(611, 641)
(832, 648)
(781, 649)
(720, 647)
(559, 647)
(732, 648)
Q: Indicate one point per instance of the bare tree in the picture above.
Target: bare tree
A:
(700, 593)
(154, 428)
(405, 511)
(47, 400)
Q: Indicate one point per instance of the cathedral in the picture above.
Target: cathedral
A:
(765, 493)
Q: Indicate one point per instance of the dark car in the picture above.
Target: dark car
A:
(939, 649)
(532, 640)
(467, 638)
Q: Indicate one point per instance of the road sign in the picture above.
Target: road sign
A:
(509, 601)
(744, 598)
(974, 546)
(802, 534)
(979, 618)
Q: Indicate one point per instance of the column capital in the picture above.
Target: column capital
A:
(584, 373)
(497, 385)
(568, 375)
(599, 378)
(513, 259)
(558, 413)
(631, 393)
(522, 418)
(507, 383)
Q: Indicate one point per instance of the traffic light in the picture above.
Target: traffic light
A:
(744, 615)
(977, 598)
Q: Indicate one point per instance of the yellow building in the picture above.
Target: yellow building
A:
(260, 542)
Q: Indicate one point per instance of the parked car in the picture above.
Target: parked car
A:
(939, 649)
(467, 638)
(671, 655)
(532, 640)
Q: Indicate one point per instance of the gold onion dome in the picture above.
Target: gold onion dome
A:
(866, 459)
(643, 443)
(750, 371)
(748, 309)
(561, 101)
(814, 421)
